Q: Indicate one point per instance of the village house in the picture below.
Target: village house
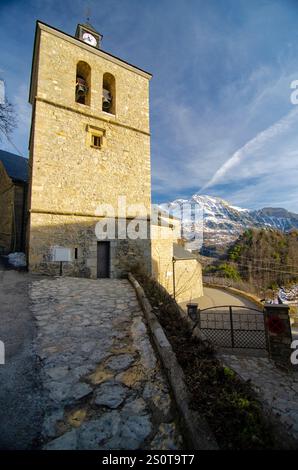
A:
(13, 202)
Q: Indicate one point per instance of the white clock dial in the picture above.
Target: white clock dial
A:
(89, 39)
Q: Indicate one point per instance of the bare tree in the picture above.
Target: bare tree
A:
(7, 119)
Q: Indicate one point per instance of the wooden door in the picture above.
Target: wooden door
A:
(103, 259)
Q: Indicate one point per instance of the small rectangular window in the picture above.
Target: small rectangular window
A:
(95, 137)
(76, 253)
(96, 141)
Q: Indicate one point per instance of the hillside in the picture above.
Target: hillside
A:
(263, 256)
(266, 255)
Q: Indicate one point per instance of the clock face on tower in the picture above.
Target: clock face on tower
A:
(89, 39)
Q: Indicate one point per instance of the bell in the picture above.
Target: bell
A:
(81, 90)
(81, 87)
(106, 100)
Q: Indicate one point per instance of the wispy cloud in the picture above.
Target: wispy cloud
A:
(254, 145)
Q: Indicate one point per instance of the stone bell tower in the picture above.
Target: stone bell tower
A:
(89, 148)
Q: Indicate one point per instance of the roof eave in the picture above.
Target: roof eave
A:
(36, 39)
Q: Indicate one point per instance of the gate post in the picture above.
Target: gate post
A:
(232, 327)
(278, 331)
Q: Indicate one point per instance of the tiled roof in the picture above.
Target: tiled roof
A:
(181, 253)
(15, 166)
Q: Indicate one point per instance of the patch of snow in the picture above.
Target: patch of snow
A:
(239, 209)
(17, 259)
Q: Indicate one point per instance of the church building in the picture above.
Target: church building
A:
(89, 168)
(89, 146)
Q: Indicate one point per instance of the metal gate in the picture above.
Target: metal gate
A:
(234, 327)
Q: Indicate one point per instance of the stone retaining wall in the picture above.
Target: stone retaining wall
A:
(197, 432)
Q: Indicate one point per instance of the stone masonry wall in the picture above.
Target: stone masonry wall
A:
(71, 179)
(58, 58)
(162, 255)
(79, 232)
(188, 275)
(188, 272)
(70, 176)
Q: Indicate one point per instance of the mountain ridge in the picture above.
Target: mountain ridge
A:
(222, 222)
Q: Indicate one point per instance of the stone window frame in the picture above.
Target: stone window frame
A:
(92, 132)
(109, 83)
(83, 70)
(96, 141)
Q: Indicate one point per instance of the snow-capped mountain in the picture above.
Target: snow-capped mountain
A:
(221, 222)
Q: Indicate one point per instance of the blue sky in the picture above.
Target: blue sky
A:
(222, 121)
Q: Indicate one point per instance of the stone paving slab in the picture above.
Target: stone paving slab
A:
(277, 388)
(103, 385)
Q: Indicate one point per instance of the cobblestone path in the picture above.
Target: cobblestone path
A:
(278, 389)
(103, 386)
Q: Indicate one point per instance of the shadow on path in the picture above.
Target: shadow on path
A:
(20, 395)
